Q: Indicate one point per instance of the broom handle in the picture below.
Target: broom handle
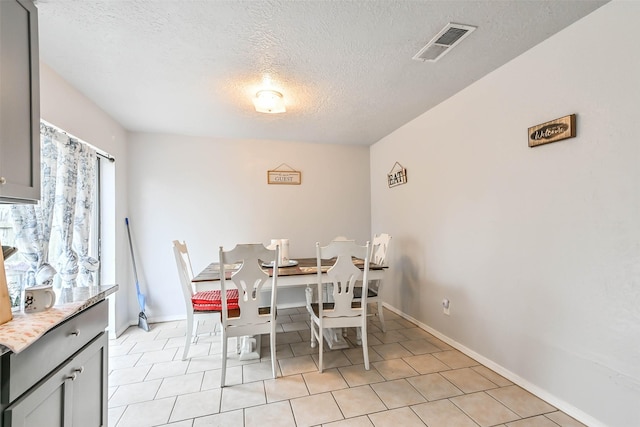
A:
(133, 258)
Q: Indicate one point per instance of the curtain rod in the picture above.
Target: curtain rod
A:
(99, 152)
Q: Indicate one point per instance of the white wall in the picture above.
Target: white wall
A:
(538, 249)
(211, 192)
(65, 107)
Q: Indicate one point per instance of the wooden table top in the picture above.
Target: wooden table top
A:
(304, 266)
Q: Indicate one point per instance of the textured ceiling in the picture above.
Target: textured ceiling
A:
(344, 67)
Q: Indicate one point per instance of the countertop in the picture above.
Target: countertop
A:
(25, 329)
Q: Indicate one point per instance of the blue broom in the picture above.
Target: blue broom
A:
(142, 318)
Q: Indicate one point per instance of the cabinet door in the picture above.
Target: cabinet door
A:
(19, 102)
(75, 395)
(89, 401)
(48, 404)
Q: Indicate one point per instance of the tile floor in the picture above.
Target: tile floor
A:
(415, 380)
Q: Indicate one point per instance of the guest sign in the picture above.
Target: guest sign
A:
(397, 176)
(284, 175)
(555, 130)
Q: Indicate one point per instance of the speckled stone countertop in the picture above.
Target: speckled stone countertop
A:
(25, 329)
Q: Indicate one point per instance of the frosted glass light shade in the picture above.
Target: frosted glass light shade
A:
(269, 101)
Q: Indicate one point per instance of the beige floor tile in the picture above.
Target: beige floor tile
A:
(389, 337)
(420, 346)
(521, 401)
(356, 375)
(122, 349)
(288, 311)
(390, 324)
(416, 334)
(328, 380)
(124, 361)
(114, 415)
(563, 419)
(134, 393)
(211, 378)
(332, 359)
(124, 376)
(157, 356)
(468, 380)
(167, 369)
(391, 351)
(148, 384)
(243, 396)
(356, 356)
(147, 414)
(315, 410)
(498, 380)
(398, 393)
(455, 359)
(295, 326)
(539, 421)
(196, 405)
(303, 348)
(358, 401)
(439, 343)
(394, 369)
(183, 384)
(195, 350)
(288, 337)
(442, 413)
(484, 409)
(225, 419)
(404, 417)
(283, 351)
(259, 371)
(270, 415)
(185, 423)
(208, 363)
(362, 421)
(434, 386)
(285, 388)
(143, 346)
(426, 364)
(297, 365)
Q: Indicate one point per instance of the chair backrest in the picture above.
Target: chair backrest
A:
(249, 279)
(183, 262)
(343, 276)
(379, 247)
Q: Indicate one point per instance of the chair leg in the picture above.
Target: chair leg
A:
(188, 337)
(365, 345)
(273, 353)
(320, 346)
(381, 316)
(313, 333)
(223, 370)
(359, 336)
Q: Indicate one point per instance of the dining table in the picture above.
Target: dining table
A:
(298, 272)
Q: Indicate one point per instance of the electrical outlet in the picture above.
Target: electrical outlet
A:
(446, 306)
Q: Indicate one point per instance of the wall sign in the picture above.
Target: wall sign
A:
(284, 175)
(397, 176)
(555, 130)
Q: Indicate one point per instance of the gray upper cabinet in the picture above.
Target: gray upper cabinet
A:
(19, 102)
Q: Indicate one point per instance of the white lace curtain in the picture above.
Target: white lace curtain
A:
(53, 235)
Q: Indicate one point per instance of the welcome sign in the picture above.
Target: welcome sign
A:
(555, 130)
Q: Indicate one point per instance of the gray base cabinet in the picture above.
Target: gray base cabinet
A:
(74, 393)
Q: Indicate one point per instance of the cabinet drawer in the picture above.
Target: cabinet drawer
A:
(52, 349)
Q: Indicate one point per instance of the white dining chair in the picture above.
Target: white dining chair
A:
(340, 310)
(204, 305)
(251, 317)
(379, 249)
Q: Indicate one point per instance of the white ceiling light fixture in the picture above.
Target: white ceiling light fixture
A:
(269, 101)
(441, 44)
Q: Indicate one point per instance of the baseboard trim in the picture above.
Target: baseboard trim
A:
(514, 378)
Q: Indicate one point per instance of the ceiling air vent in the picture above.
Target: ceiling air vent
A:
(443, 42)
